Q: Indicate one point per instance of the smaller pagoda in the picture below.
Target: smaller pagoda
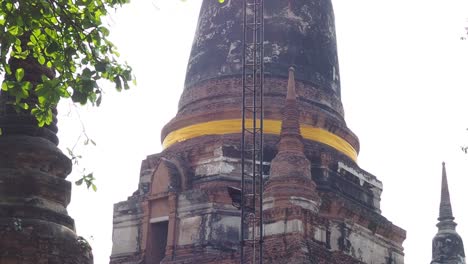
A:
(447, 245)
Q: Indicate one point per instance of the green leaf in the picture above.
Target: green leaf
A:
(71, 154)
(24, 106)
(19, 74)
(53, 47)
(19, 21)
(79, 182)
(43, 115)
(33, 39)
(9, 6)
(98, 102)
(8, 69)
(79, 97)
(36, 13)
(104, 31)
(41, 59)
(13, 30)
(101, 66)
(118, 83)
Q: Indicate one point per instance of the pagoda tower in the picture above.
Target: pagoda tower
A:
(35, 226)
(182, 212)
(447, 245)
(291, 202)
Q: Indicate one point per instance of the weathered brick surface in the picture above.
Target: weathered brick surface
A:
(225, 104)
(320, 207)
(211, 194)
(34, 224)
(314, 212)
(40, 242)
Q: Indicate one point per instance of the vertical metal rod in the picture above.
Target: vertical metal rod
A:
(254, 135)
(262, 55)
(242, 227)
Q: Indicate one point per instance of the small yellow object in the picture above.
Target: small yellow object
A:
(233, 126)
(221, 1)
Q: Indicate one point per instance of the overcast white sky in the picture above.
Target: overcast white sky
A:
(404, 89)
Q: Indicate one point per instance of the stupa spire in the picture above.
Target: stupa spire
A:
(445, 210)
(291, 94)
(447, 245)
(290, 137)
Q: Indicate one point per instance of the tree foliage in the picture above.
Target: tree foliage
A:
(67, 36)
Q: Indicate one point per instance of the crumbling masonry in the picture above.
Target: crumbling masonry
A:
(319, 205)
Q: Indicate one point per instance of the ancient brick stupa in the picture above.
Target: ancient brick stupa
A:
(447, 245)
(319, 205)
(34, 194)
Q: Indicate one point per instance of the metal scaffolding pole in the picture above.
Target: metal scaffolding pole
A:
(252, 134)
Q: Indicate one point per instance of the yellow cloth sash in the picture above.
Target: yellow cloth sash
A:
(232, 126)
